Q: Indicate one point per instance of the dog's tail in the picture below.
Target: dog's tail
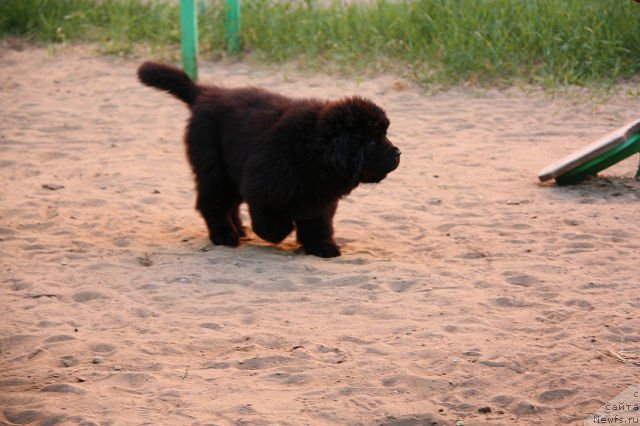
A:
(169, 78)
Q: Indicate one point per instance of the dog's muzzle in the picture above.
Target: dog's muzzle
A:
(396, 157)
(383, 168)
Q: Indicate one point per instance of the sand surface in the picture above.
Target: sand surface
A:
(463, 284)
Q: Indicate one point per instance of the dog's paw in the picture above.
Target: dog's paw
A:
(242, 231)
(231, 239)
(322, 249)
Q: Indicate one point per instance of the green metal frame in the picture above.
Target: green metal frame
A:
(232, 25)
(607, 159)
(189, 37)
(189, 32)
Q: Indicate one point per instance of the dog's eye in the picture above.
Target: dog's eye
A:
(372, 143)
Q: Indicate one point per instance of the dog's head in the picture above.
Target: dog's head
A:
(355, 131)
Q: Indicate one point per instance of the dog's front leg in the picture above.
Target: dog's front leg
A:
(316, 234)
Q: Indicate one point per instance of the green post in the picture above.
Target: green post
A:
(189, 35)
(233, 25)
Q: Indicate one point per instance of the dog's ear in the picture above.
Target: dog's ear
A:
(336, 121)
(337, 151)
(342, 124)
(342, 155)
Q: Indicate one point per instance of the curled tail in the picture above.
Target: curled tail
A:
(169, 78)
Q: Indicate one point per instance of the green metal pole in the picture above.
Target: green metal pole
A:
(233, 25)
(604, 160)
(189, 35)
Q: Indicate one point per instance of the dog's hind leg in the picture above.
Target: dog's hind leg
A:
(235, 218)
(218, 200)
(316, 234)
(220, 211)
(268, 225)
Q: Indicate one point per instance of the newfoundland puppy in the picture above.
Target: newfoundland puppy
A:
(290, 160)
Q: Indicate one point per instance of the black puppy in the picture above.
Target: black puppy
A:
(290, 160)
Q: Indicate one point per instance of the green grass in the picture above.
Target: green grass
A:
(117, 25)
(445, 42)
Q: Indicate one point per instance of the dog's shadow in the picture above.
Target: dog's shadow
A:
(252, 244)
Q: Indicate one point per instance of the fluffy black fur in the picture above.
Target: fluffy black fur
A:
(290, 160)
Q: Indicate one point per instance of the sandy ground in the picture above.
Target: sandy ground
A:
(467, 292)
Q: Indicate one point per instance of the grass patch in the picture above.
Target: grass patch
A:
(117, 25)
(445, 42)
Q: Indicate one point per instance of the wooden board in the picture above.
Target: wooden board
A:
(599, 147)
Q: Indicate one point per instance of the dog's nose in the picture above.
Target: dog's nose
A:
(395, 158)
(396, 154)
